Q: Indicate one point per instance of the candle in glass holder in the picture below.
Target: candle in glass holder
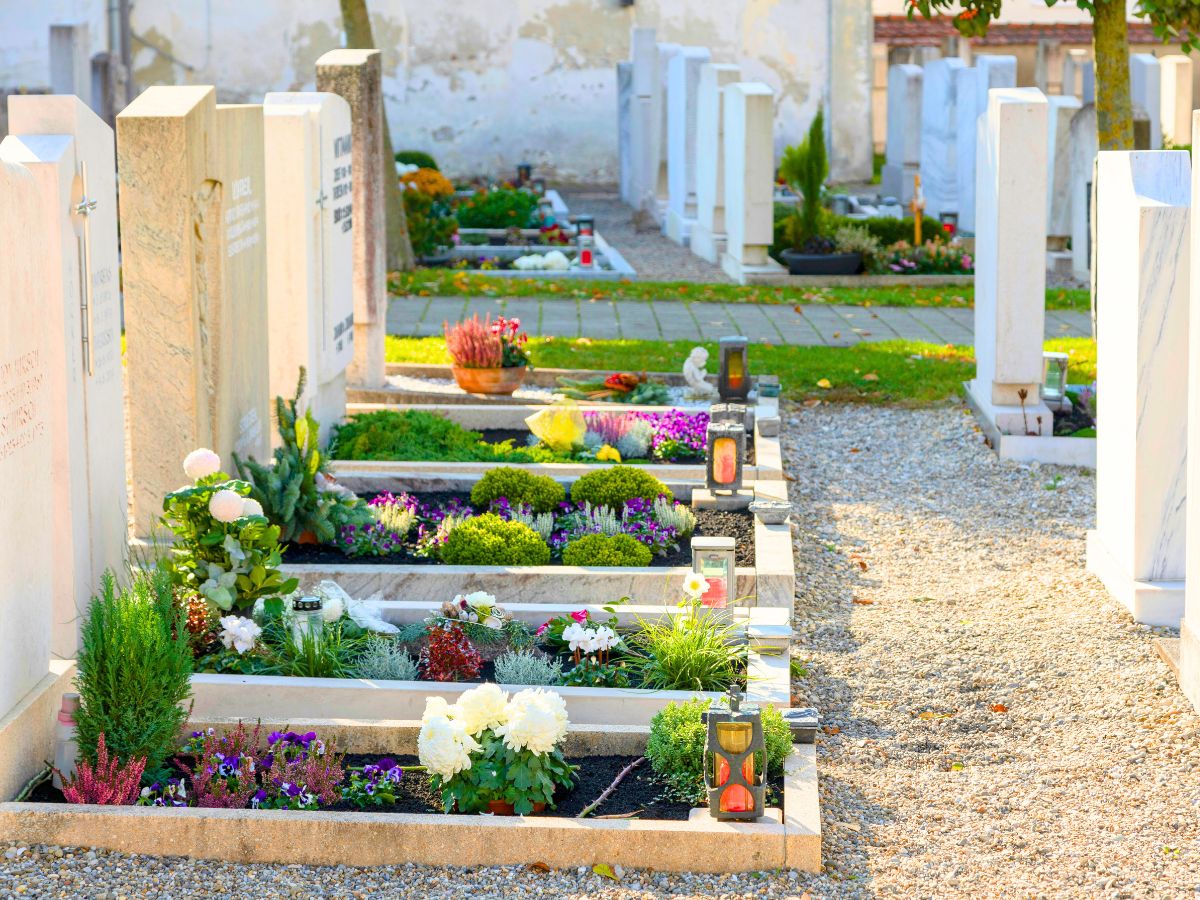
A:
(724, 460)
(735, 737)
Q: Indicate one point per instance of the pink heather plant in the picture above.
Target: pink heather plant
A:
(473, 344)
(223, 775)
(108, 783)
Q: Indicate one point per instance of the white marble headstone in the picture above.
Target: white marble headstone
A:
(1189, 628)
(749, 178)
(310, 257)
(1084, 144)
(1010, 274)
(904, 85)
(624, 128)
(1142, 228)
(939, 130)
(708, 234)
(972, 99)
(644, 56)
(70, 60)
(1177, 85)
(27, 517)
(656, 200)
(1078, 76)
(1063, 110)
(70, 152)
(1145, 90)
(683, 83)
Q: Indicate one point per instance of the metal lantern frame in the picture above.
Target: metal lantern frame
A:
(717, 546)
(1059, 361)
(735, 431)
(729, 348)
(733, 713)
(727, 412)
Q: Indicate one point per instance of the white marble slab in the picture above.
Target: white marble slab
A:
(1189, 629)
(1177, 92)
(1145, 90)
(904, 86)
(708, 233)
(1084, 145)
(1058, 159)
(749, 180)
(683, 83)
(971, 103)
(939, 131)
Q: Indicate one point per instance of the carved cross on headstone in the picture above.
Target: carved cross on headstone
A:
(84, 208)
(321, 198)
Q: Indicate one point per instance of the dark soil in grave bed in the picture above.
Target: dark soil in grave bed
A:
(1066, 424)
(639, 795)
(518, 437)
(738, 525)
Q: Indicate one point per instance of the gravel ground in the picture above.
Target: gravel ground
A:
(652, 255)
(994, 724)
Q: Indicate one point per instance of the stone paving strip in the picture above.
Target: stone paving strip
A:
(676, 320)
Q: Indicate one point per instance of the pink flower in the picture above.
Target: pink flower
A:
(542, 628)
(580, 616)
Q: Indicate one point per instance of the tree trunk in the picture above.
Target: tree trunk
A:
(1114, 108)
(357, 23)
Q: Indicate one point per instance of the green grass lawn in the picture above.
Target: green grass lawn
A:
(905, 373)
(447, 283)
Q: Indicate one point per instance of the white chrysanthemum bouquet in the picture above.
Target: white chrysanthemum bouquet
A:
(492, 753)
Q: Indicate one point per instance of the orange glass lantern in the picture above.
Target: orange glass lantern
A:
(726, 456)
(731, 776)
(716, 559)
(733, 380)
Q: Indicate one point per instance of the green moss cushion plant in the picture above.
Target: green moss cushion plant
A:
(519, 486)
(676, 746)
(488, 540)
(616, 486)
(607, 550)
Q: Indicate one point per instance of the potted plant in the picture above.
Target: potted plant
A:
(805, 168)
(432, 228)
(489, 357)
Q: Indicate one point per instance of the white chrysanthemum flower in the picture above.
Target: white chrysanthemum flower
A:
(444, 747)
(251, 507)
(239, 633)
(201, 463)
(695, 584)
(225, 506)
(537, 721)
(477, 599)
(332, 609)
(483, 707)
(435, 707)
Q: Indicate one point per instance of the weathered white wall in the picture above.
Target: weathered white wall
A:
(482, 84)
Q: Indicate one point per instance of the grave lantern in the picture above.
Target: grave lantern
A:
(716, 559)
(585, 240)
(524, 173)
(726, 455)
(1054, 377)
(733, 382)
(307, 619)
(734, 736)
(727, 412)
(949, 222)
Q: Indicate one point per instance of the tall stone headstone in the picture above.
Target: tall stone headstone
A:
(1189, 628)
(1048, 66)
(1138, 549)
(939, 131)
(971, 104)
(355, 75)
(193, 241)
(749, 181)
(1145, 90)
(1176, 104)
(70, 55)
(1084, 145)
(903, 131)
(683, 84)
(708, 234)
(27, 517)
(656, 197)
(1078, 76)
(1010, 280)
(624, 128)
(70, 153)
(851, 31)
(1062, 112)
(310, 257)
(644, 56)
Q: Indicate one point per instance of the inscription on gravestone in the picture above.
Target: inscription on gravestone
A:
(22, 411)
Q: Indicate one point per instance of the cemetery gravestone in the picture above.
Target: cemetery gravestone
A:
(624, 128)
(355, 75)
(1145, 90)
(1078, 78)
(644, 57)
(70, 66)
(683, 82)
(749, 181)
(1010, 293)
(656, 199)
(310, 258)
(69, 151)
(903, 132)
(939, 128)
(1138, 549)
(1176, 115)
(972, 99)
(27, 554)
(195, 277)
(1084, 145)
(1062, 111)
(708, 234)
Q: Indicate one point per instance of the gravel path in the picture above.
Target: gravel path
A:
(994, 725)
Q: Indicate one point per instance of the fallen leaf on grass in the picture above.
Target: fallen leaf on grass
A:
(870, 376)
(837, 334)
(824, 383)
(999, 708)
(604, 870)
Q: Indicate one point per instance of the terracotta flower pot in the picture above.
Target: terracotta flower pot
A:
(504, 808)
(306, 537)
(490, 381)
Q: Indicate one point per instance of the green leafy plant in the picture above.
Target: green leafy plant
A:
(416, 158)
(590, 672)
(332, 651)
(689, 651)
(418, 435)
(496, 208)
(134, 670)
(675, 747)
(527, 667)
(616, 486)
(854, 239)
(805, 167)
(488, 540)
(519, 486)
(607, 550)
(296, 493)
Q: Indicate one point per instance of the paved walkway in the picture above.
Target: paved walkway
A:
(820, 324)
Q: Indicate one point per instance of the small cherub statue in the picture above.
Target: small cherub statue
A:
(698, 387)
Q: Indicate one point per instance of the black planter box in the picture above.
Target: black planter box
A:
(822, 263)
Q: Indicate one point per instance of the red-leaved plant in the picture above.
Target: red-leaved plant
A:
(448, 655)
(107, 783)
(473, 344)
